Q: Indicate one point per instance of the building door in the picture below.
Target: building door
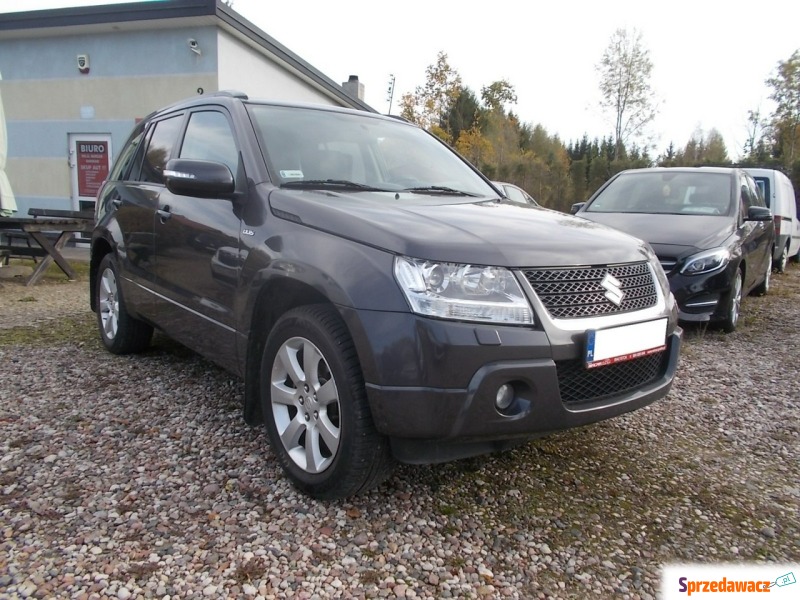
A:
(89, 165)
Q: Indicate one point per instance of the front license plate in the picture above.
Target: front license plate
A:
(618, 344)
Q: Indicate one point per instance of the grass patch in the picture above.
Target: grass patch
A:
(77, 330)
(54, 273)
(142, 570)
(370, 577)
(250, 571)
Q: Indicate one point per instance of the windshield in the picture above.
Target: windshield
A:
(696, 193)
(308, 147)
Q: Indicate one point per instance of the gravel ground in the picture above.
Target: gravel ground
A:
(135, 477)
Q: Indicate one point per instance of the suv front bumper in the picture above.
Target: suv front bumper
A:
(432, 384)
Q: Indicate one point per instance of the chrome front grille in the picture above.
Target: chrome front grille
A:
(575, 292)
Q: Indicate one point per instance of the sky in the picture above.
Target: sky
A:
(710, 60)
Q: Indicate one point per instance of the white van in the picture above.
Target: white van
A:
(779, 194)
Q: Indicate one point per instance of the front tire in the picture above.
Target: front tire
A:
(315, 407)
(763, 288)
(120, 332)
(734, 304)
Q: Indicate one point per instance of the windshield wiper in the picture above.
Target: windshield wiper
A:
(438, 189)
(335, 183)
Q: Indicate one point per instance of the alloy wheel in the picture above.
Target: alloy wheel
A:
(108, 297)
(736, 299)
(305, 405)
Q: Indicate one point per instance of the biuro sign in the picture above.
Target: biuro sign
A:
(92, 161)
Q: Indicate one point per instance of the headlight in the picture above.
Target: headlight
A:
(462, 292)
(705, 262)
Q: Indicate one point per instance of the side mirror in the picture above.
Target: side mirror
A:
(759, 213)
(202, 178)
(576, 207)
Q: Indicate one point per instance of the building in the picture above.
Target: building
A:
(76, 80)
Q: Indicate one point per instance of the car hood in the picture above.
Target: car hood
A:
(695, 232)
(458, 229)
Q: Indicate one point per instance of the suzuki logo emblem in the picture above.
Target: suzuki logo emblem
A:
(613, 289)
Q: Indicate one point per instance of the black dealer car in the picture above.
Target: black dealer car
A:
(379, 298)
(709, 227)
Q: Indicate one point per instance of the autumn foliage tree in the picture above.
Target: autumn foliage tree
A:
(486, 131)
(431, 101)
(786, 119)
(625, 71)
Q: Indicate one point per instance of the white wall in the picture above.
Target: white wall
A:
(244, 69)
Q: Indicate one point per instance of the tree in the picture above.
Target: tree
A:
(429, 104)
(502, 131)
(475, 148)
(708, 149)
(625, 72)
(715, 151)
(786, 119)
(668, 159)
(497, 94)
(464, 114)
(756, 127)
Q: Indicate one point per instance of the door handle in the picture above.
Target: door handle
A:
(164, 214)
(117, 202)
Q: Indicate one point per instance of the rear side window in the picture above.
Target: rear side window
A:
(159, 147)
(123, 165)
(209, 137)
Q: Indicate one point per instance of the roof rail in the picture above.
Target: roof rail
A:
(230, 94)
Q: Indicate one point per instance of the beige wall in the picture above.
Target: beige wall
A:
(40, 177)
(111, 98)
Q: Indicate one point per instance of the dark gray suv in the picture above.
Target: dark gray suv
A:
(380, 299)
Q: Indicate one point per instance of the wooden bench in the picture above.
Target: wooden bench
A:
(50, 229)
(61, 214)
(17, 244)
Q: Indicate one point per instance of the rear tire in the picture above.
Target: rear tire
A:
(315, 406)
(120, 332)
(780, 264)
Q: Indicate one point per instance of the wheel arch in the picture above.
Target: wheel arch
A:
(273, 300)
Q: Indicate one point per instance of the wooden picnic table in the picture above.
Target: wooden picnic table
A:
(63, 223)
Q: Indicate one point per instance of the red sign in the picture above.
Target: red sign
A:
(92, 159)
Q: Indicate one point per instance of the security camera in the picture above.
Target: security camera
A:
(194, 46)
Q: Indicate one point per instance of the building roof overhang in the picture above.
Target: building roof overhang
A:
(162, 14)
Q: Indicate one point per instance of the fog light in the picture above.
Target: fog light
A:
(505, 396)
